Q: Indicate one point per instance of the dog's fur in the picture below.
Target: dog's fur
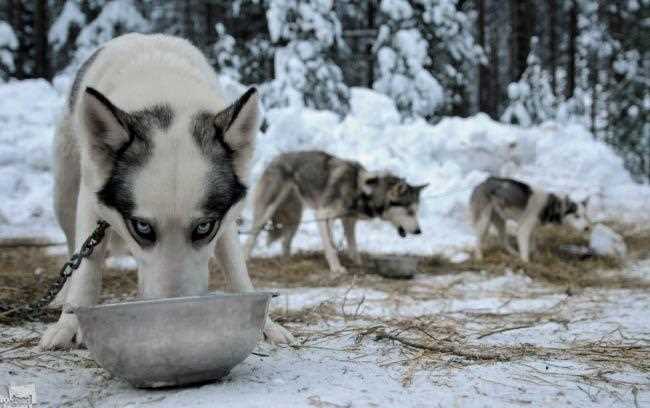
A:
(148, 144)
(335, 189)
(497, 200)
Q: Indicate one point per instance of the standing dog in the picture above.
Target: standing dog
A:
(148, 144)
(335, 189)
(497, 200)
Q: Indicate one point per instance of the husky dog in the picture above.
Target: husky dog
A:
(497, 200)
(335, 189)
(148, 144)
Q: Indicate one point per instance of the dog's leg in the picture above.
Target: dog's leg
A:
(500, 225)
(336, 269)
(84, 284)
(261, 216)
(287, 237)
(349, 225)
(524, 234)
(481, 227)
(67, 175)
(229, 254)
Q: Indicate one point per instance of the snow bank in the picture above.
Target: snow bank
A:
(28, 112)
(453, 156)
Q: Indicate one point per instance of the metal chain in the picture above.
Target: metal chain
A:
(35, 308)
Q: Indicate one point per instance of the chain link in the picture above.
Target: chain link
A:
(35, 308)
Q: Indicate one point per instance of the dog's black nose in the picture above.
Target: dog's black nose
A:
(417, 231)
(401, 231)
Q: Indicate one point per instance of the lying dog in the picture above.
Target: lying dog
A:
(148, 145)
(497, 200)
(335, 189)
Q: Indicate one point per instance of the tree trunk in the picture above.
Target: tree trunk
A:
(552, 42)
(188, 24)
(573, 38)
(521, 26)
(495, 97)
(370, 58)
(210, 22)
(42, 67)
(484, 82)
(18, 25)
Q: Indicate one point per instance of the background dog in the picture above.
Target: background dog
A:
(335, 189)
(148, 145)
(497, 200)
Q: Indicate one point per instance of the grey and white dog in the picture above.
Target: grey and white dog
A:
(148, 144)
(497, 200)
(336, 189)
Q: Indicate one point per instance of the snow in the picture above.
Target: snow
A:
(606, 242)
(117, 17)
(453, 156)
(71, 16)
(335, 368)
(8, 41)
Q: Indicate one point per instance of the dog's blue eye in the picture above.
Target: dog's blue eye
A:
(203, 230)
(142, 227)
(142, 231)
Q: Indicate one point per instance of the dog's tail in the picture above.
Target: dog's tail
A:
(286, 218)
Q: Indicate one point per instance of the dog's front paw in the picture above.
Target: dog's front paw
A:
(338, 271)
(356, 258)
(62, 334)
(276, 334)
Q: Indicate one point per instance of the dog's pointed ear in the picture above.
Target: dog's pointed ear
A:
(238, 123)
(369, 181)
(106, 123)
(420, 187)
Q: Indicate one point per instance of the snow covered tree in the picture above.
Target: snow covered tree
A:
(426, 54)
(225, 57)
(116, 17)
(531, 98)
(64, 31)
(306, 33)
(8, 43)
(401, 61)
(243, 48)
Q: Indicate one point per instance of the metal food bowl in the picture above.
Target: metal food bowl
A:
(175, 341)
(395, 267)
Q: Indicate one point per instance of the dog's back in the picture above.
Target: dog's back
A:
(502, 192)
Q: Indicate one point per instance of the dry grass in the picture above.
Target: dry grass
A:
(443, 341)
(555, 266)
(25, 272)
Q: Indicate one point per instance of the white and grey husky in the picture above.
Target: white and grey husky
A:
(497, 200)
(148, 144)
(336, 189)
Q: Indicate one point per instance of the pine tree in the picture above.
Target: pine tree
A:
(306, 33)
(116, 17)
(64, 31)
(531, 98)
(426, 56)
(8, 44)
(401, 60)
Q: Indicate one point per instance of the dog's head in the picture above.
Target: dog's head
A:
(397, 201)
(169, 182)
(575, 214)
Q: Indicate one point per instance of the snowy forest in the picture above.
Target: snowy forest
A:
(520, 61)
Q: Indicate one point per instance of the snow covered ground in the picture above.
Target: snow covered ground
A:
(337, 367)
(453, 156)
(550, 337)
